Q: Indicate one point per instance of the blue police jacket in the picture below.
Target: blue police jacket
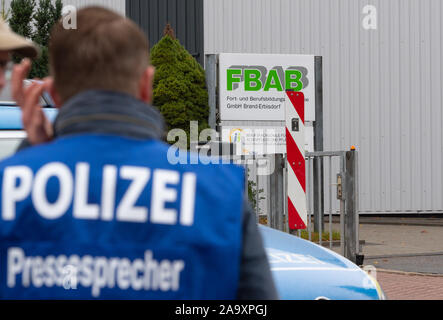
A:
(95, 215)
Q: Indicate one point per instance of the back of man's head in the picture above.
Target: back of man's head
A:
(106, 52)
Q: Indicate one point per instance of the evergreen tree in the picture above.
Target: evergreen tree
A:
(179, 85)
(43, 22)
(57, 9)
(45, 17)
(36, 26)
(21, 17)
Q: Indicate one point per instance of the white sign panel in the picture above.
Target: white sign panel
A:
(253, 86)
(255, 139)
(262, 139)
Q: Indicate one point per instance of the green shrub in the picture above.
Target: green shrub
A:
(179, 85)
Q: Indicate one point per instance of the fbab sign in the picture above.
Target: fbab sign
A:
(253, 86)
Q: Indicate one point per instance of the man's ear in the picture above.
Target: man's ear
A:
(146, 85)
(50, 87)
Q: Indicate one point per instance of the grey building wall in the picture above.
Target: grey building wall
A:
(185, 17)
(382, 88)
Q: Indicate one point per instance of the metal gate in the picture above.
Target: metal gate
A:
(332, 183)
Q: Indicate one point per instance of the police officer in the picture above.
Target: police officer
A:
(95, 210)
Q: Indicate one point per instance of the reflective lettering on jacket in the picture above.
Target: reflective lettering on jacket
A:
(95, 216)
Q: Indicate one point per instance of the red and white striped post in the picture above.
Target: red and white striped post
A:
(295, 143)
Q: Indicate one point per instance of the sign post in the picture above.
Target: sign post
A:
(295, 143)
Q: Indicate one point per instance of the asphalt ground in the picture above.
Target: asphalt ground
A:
(400, 220)
(384, 240)
(417, 264)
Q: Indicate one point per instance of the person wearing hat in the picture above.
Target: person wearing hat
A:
(11, 42)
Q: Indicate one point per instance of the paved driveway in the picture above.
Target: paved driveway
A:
(403, 286)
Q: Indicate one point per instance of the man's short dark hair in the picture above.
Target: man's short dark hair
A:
(107, 52)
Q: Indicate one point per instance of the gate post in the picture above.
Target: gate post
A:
(277, 195)
(319, 201)
(211, 83)
(352, 250)
(318, 190)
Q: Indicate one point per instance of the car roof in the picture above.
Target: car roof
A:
(11, 117)
(7, 100)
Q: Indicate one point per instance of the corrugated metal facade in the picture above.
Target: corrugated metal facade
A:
(382, 88)
(116, 5)
(185, 17)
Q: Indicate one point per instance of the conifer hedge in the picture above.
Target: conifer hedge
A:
(179, 85)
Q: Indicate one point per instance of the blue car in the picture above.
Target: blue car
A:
(302, 270)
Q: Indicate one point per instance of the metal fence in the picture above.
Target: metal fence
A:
(331, 192)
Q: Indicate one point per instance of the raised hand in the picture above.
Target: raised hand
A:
(38, 128)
